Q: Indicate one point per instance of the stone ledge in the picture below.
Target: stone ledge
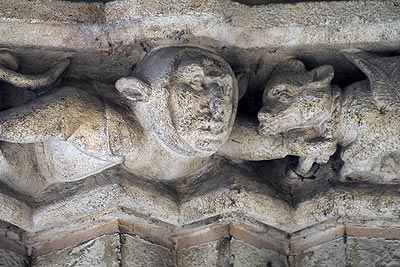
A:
(261, 237)
(115, 25)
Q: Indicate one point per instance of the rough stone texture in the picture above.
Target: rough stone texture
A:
(355, 252)
(202, 255)
(182, 106)
(246, 255)
(48, 10)
(12, 259)
(14, 211)
(137, 252)
(349, 203)
(229, 252)
(285, 171)
(328, 254)
(103, 252)
(334, 23)
(372, 252)
(234, 24)
(304, 115)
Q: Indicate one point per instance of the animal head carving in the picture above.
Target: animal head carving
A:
(295, 98)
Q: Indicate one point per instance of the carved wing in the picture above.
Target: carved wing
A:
(384, 76)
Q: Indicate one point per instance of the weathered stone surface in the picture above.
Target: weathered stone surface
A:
(229, 252)
(103, 251)
(354, 252)
(136, 252)
(246, 255)
(15, 211)
(306, 116)
(264, 26)
(334, 23)
(159, 156)
(377, 252)
(328, 254)
(12, 259)
(182, 105)
(202, 255)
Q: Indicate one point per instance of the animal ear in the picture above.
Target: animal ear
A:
(133, 89)
(322, 76)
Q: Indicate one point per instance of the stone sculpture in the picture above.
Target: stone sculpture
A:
(9, 65)
(369, 124)
(180, 107)
(304, 115)
(295, 120)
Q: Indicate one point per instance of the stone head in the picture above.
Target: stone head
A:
(295, 98)
(188, 96)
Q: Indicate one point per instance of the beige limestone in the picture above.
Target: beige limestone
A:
(202, 255)
(149, 157)
(332, 253)
(12, 259)
(372, 252)
(246, 255)
(102, 251)
(138, 252)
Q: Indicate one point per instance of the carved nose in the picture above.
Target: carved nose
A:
(216, 98)
(216, 105)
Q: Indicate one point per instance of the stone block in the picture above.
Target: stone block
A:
(246, 255)
(377, 252)
(332, 253)
(205, 255)
(137, 252)
(100, 252)
(12, 259)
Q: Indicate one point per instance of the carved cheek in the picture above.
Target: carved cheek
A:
(221, 100)
(186, 110)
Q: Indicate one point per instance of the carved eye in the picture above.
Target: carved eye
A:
(197, 80)
(219, 84)
(213, 86)
(282, 92)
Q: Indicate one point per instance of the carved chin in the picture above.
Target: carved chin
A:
(206, 138)
(208, 145)
(204, 142)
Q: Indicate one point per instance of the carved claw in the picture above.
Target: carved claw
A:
(34, 81)
(292, 175)
(305, 169)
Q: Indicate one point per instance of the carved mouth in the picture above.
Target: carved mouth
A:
(209, 143)
(212, 128)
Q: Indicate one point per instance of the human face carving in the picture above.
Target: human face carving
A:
(202, 96)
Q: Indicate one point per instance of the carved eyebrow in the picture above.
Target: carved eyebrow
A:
(214, 73)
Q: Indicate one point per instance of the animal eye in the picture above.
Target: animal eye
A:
(281, 92)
